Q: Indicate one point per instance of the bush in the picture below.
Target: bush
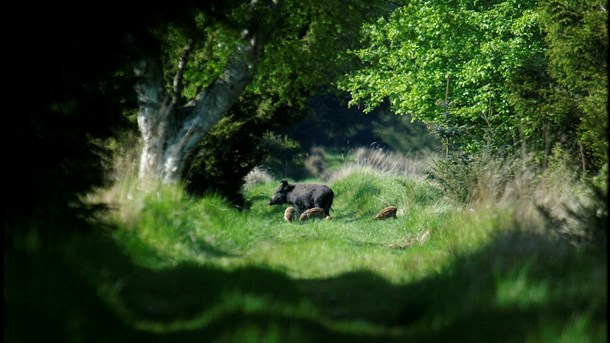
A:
(237, 144)
(285, 159)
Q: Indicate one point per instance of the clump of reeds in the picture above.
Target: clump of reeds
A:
(256, 176)
(382, 161)
(126, 192)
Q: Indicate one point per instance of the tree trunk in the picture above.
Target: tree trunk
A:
(170, 130)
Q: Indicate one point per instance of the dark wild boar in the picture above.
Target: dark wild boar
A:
(303, 196)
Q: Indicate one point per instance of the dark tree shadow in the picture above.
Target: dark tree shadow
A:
(95, 292)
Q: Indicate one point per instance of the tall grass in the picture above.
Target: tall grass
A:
(385, 162)
(549, 199)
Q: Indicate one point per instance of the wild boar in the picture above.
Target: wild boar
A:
(388, 212)
(303, 196)
(289, 214)
(312, 213)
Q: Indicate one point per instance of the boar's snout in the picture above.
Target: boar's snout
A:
(277, 198)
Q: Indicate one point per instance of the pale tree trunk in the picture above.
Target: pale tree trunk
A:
(169, 129)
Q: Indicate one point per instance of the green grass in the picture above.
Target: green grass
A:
(179, 269)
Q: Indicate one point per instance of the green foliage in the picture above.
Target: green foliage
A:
(305, 53)
(529, 73)
(448, 51)
(577, 38)
(302, 55)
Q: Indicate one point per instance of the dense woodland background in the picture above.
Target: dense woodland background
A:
(484, 93)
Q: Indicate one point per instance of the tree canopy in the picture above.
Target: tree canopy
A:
(489, 72)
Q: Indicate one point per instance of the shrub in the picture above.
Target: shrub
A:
(554, 198)
(285, 159)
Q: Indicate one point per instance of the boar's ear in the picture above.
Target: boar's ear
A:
(283, 185)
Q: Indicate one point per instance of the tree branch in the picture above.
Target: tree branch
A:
(178, 78)
(149, 83)
(221, 95)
